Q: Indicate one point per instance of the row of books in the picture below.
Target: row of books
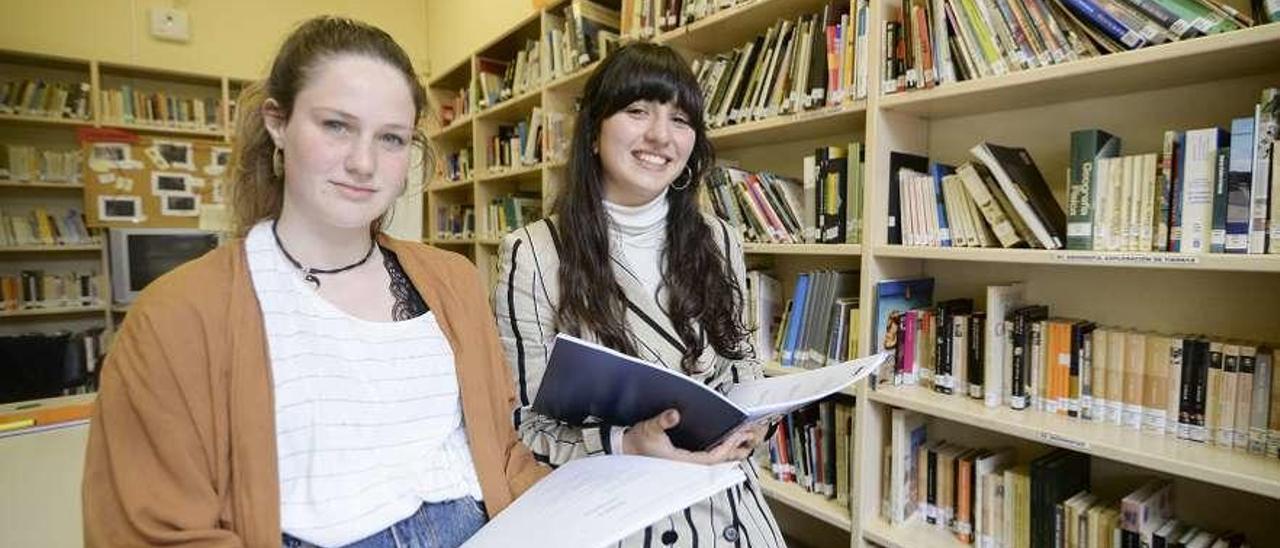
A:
(500, 80)
(930, 43)
(35, 289)
(1000, 200)
(43, 365)
(819, 324)
(42, 226)
(132, 106)
(455, 107)
(28, 163)
(986, 497)
(583, 33)
(507, 213)
(647, 18)
(48, 99)
(455, 222)
(797, 65)
(825, 206)
(1207, 389)
(457, 165)
(1209, 190)
(543, 137)
(813, 448)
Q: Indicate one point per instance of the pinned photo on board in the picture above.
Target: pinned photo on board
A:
(111, 153)
(176, 154)
(163, 183)
(119, 208)
(180, 205)
(219, 157)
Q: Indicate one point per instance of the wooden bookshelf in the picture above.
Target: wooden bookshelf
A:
(79, 248)
(61, 311)
(167, 130)
(1207, 59)
(913, 535)
(845, 250)
(1207, 463)
(812, 504)
(1035, 108)
(730, 28)
(1109, 259)
(458, 130)
(26, 119)
(443, 186)
(40, 185)
(790, 127)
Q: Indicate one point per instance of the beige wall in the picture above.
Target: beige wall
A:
(228, 37)
(456, 28)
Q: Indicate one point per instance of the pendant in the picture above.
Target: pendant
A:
(313, 279)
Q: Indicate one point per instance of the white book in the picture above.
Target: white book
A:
(1000, 300)
(1226, 432)
(1200, 165)
(606, 498)
(1116, 204)
(1102, 203)
(1266, 127)
(1146, 218)
(908, 432)
(1129, 204)
(993, 463)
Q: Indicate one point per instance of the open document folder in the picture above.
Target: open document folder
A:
(596, 501)
(585, 381)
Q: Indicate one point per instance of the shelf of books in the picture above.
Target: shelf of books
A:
(977, 145)
(813, 504)
(53, 267)
(1086, 258)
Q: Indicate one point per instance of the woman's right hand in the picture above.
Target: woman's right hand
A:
(650, 438)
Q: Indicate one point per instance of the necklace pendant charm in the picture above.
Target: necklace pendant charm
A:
(313, 279)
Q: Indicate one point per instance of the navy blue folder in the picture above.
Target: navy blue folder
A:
(586, 382)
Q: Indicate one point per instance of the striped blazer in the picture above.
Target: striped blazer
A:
(525, 300)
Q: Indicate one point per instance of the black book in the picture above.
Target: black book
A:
(816, 93)
(1016, 164)
(1055, 477)
(1023, 318)
(977, 353)
(1081, 332)
(897, 162)
(943, 381)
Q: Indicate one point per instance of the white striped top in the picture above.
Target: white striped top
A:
(368, 415)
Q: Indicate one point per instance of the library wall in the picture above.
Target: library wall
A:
(234, 38)
(454, 31)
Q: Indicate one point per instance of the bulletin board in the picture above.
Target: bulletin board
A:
(153, 182)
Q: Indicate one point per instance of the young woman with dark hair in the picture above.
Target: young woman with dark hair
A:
(313, 382)
(628, 260)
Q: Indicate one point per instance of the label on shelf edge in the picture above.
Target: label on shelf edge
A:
(1127, 258)
(1062, 441)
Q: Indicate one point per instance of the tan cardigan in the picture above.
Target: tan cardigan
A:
(182, 448)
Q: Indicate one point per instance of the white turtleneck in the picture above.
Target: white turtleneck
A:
(640, 233)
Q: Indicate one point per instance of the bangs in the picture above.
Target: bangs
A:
(652, 74)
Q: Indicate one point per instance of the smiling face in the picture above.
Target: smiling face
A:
(643, 148)
(347, 142)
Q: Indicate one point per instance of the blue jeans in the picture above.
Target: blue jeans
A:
(435, 525)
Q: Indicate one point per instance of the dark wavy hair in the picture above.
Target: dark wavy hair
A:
(701, 288)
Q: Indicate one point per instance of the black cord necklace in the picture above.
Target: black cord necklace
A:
(309, 274)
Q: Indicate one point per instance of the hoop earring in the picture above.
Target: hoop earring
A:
(277, 163)
(688, 179)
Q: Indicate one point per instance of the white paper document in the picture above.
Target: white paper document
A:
(596, 501)
(774, 395)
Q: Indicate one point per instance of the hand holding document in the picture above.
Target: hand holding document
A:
(596, 501)
(586, 381)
